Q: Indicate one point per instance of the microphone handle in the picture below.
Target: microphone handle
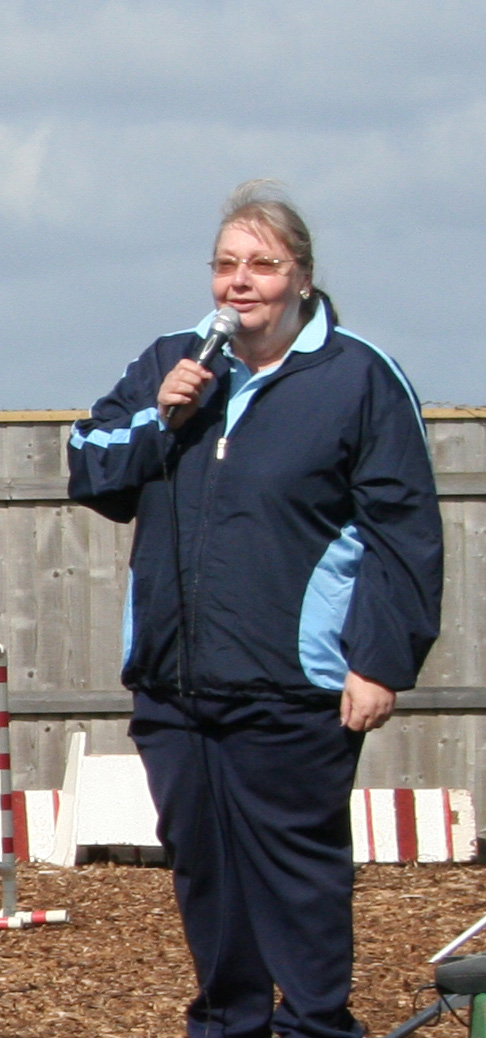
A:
(210, 348)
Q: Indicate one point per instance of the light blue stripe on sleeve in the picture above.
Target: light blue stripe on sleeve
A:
(324, 608)
(117, 436)
(127, 622)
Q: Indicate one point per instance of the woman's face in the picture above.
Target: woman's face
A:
(268, 304)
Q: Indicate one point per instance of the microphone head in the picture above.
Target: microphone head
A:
(227, 320)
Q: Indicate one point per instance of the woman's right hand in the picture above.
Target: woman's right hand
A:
(182, 388)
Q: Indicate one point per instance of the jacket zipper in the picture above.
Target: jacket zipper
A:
(221, 448)
(219, 455)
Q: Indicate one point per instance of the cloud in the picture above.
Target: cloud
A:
(22, 156)
(278, 60)
(126, 122)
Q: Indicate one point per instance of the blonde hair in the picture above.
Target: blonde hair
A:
(257, 202)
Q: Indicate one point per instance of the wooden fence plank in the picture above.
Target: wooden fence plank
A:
(76, 628)
(4, 598)
(33, 488)
(21, 633)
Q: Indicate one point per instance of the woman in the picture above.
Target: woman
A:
(284, 584)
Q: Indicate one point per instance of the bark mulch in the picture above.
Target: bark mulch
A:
(121, 966)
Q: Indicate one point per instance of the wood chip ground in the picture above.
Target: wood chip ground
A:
(121, 966)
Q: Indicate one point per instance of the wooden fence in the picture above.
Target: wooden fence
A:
(62, 586)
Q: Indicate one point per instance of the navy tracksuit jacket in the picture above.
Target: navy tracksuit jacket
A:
(303, 542)
(312, 545)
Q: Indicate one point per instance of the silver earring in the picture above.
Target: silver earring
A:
(304, 293)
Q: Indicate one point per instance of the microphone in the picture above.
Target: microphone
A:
(223, 326)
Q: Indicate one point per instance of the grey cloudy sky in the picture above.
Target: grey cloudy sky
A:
(125, 123)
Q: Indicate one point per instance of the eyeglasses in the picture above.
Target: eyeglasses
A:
(224, 266)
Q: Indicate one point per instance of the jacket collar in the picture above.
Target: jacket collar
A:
(312, 336)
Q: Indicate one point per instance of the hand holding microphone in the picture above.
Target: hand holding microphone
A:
(187, 380)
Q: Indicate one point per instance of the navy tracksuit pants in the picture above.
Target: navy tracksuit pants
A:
(252, 800)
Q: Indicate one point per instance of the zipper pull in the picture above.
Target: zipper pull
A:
(221, 448)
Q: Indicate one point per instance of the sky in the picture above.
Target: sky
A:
(124, 125)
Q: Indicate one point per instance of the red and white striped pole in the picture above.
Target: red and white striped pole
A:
(10, 919)
(9, 883)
